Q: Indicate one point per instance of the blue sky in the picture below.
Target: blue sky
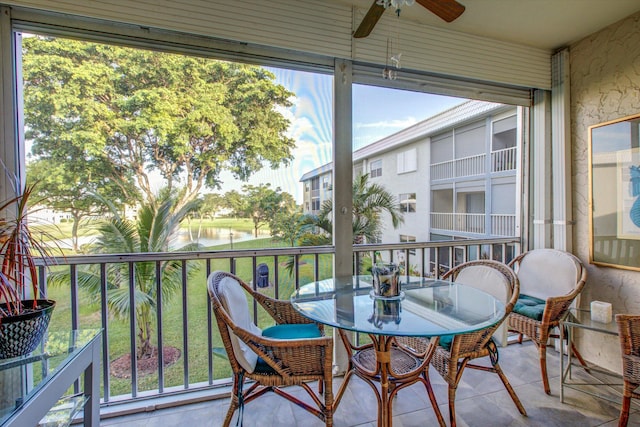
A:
(377, 112)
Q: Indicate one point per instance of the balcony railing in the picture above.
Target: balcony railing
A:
(503, 225)
(185, 322)
(501, 160)
(463, 222)
(504, 160)
(457, 168)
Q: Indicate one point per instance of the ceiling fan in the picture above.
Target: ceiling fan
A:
(448, 10)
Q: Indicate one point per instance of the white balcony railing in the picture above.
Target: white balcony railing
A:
(503, 225)
(457, 168)
(463, 222)
(470, 166)
(504, 160)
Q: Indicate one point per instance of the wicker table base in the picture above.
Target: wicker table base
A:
(393, 367)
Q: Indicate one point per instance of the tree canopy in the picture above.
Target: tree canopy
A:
(261, 203)
(138, 113)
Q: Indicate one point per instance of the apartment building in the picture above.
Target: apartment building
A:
(454, 174)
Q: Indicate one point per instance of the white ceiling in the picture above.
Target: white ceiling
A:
(545, 24)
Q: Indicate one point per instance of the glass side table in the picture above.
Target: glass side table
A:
(581, 319)
(31, 385)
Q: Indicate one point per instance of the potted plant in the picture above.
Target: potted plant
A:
(24, 312)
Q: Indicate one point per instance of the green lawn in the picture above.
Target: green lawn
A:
(196, 315)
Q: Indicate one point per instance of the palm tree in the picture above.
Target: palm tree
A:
(152, 231)
(370, 202)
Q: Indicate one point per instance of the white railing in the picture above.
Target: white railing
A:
(463, 222)
(443, 170)
(504, 160)
(503, 225)
(470, 166)
(457, 168)
(442, 221)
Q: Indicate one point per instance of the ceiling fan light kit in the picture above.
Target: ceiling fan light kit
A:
(395, 3)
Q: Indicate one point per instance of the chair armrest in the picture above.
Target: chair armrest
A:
(290, 357)
(556, 307)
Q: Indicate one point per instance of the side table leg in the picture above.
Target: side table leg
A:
(92, 388)
(561, 327)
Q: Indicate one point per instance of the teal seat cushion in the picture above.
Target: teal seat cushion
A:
(286, 332)
(292, 331)
(530, 307)
(445, 341)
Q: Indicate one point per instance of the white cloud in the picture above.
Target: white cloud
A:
(395, 124)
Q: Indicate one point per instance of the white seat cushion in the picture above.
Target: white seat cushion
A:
(486, 279)
(493, 282)
(235, 303)
(544, 273)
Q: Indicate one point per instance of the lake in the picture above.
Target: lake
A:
(211, 236)
(215, 236)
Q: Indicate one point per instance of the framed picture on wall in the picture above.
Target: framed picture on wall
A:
(614, 193)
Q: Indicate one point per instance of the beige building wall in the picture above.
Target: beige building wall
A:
(605, 85)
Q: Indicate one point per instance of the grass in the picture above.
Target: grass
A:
(196, 317)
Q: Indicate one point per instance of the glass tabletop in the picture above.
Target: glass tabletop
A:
(426, 307)
(21, 377)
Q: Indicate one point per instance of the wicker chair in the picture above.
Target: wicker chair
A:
(555, 278)
(499, 280)
(269, 362)
(629, 331)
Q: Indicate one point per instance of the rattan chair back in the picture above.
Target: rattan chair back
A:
(629, 332)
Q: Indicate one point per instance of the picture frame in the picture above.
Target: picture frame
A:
(614, 193)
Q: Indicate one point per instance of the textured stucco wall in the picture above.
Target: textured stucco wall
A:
(605, 85)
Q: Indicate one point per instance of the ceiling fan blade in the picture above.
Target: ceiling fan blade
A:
(448, 10)
(369, 21)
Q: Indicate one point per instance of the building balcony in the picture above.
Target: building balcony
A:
(501, 161)
(501, 224)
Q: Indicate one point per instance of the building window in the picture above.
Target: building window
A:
(325, 182)
(407, 161)
(306, 187)
(306, 206)
(407, 202)
(404, 238)
(375, 168)
(315, 204)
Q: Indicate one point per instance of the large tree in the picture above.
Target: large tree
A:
(186, 118)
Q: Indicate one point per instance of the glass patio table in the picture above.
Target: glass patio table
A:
(425, 308)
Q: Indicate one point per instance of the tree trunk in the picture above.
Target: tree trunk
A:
(74, 232)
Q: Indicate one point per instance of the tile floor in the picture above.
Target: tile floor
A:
(481, 401)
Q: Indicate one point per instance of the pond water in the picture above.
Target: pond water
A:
(208, 237)
(215, 236)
